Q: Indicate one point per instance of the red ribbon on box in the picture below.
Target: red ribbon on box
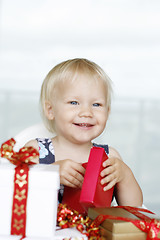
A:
(22, 160)
(145, 224)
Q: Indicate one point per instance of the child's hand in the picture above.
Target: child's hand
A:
(71, 173)
(113, 172)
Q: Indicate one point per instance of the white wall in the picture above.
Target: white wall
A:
(122, 36)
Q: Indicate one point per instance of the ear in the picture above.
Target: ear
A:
(49, 110)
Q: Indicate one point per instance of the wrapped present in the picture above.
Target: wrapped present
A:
(11, 237)
(29, 195)
(126, 223)
(92, 193)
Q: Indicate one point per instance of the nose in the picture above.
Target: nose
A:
(85, 111)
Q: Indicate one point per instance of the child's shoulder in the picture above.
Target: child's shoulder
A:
(32, 143)
(114, 153)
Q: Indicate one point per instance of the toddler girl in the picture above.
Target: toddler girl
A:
(76, 102)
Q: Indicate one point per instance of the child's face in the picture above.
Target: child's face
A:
(79, 110)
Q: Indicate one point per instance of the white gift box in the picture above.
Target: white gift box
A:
(14, 237)
(42, 201)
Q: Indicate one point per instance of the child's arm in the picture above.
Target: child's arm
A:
(116, 172)
(71, 173)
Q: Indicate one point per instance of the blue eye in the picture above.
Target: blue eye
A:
(96, 104)
(74, 103)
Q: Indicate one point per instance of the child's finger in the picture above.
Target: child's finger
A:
(71, 178)
(66, 182)
(108, 178)
(109, 185)
(78, 167)
(74, 177)
(107, 170)
(108, 162)
(78, 171)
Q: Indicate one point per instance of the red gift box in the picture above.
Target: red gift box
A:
(92, 193)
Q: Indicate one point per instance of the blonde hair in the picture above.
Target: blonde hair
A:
(68, 70)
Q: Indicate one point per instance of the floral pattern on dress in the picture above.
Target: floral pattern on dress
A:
(51, 148)
(46, 151)
(42, 150)
(42, 140)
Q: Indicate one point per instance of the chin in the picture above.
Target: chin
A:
(84, 141)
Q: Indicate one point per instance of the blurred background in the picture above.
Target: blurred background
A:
(122, 36)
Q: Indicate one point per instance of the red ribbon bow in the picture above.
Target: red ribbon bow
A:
(24, 156)
(22, 160)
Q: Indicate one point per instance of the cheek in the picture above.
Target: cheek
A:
(63, 116)
(103, 115)
(103, 119)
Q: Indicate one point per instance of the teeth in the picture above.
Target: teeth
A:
(84, 124)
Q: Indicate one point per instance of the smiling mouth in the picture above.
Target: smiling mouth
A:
(84, 125)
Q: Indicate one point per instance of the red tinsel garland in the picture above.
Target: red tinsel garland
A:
(68, 218)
